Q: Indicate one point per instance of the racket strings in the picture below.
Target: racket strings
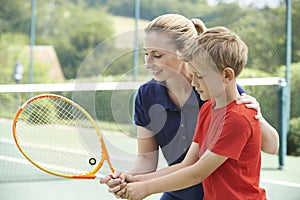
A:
(58, 137)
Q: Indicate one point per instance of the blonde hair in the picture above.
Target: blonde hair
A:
(224, 47)
(180, 28)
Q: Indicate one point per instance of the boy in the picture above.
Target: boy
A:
(225, 153)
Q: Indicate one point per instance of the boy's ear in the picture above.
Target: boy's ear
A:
(228, 74)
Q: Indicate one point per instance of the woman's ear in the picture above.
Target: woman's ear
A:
(228, 74)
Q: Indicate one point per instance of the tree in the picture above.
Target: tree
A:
(74, 29)
(15, 16)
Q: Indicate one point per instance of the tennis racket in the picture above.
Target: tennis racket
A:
(59, 137)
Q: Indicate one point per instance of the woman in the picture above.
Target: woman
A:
(166, 107)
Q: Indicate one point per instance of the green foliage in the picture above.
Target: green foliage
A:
(293, 146)
(15, 16)
(295, 31)
(74, 30)
(265, 40)
(294, 87)
(14, 48)
(75, 27)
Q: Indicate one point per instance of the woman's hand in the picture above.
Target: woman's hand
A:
(250, 102)
(114, 183)
(270, 138)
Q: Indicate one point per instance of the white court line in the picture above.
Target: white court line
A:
(282, 183)
(16, 160)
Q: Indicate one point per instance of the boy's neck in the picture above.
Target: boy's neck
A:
(230, 94)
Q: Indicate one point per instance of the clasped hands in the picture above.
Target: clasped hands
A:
(123, 185)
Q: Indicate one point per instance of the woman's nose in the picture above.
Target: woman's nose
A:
(148, 62)
(149, 66)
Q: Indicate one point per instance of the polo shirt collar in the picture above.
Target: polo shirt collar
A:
(163, 99)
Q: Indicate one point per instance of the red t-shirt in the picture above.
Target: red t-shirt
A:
(233, 132)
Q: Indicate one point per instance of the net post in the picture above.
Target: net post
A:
(283, 123)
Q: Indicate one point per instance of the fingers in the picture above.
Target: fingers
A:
(259, 116)
(113, 181)
(117, 189)
(122, 192)
(115, 184)
(116, 174)
(109, 177)
(253, 106)
(245, 98)
(105, 179)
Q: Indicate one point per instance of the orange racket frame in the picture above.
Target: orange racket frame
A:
(92, 174)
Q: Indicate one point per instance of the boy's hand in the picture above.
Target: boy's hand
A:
(136, 191)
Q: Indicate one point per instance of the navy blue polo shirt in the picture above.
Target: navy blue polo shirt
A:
(173, 127)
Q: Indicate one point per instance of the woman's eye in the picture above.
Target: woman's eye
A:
(198, 76)
(157, 56)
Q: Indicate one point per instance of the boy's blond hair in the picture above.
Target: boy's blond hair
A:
(224, 47)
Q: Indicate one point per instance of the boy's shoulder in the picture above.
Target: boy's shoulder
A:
(241, 110)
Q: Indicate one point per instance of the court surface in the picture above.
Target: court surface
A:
(279, 184)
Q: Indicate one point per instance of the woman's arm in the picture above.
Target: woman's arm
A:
(270, 137)
(147, 157)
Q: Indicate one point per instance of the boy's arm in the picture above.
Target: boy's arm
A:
(191, 158)
(179, 179)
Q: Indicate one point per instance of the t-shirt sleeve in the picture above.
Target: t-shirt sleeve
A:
(234, 136)
(141, 117)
